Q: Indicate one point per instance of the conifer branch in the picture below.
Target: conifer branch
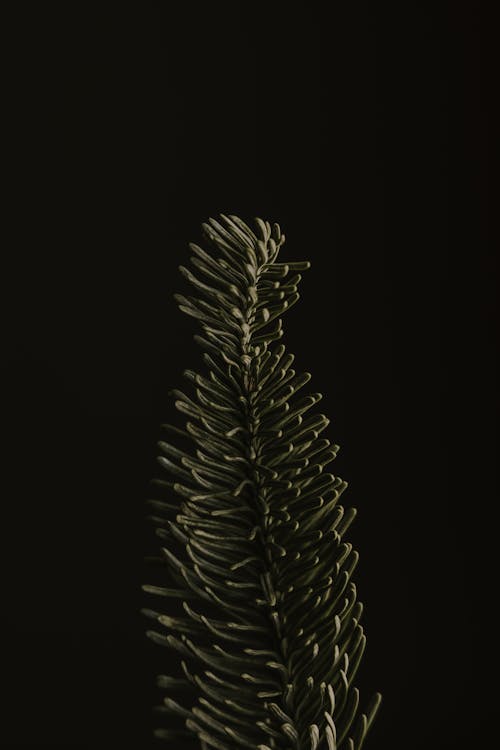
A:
(253, 534)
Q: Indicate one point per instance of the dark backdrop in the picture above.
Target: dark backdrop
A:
(365, 134)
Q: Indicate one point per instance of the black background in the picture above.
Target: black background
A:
(366, 134)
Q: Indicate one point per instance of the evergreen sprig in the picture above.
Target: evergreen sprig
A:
(254, 539)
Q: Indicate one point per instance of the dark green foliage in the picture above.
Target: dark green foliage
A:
(254, 536)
